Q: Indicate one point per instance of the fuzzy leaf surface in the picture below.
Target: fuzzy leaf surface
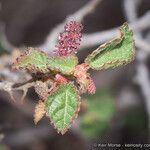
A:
(117, 52)
(35, 60)
(62, 106)
(63, 64)
(32, 60)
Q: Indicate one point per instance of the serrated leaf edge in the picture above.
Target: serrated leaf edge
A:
(117, 40)
(73, 117)
(29, 67)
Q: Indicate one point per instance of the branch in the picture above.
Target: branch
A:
(142, 79)
(130, 9)
(90, 40)
(9, 88)
(142, 44)
(24, 88)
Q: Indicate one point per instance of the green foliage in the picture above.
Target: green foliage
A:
(65, 64)
(62, 106)
(33, 60)
(100, 110)
(61, 80)
(37, 61)
(115, 53)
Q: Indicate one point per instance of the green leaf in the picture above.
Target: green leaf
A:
(35, 60)
(32, 60)
(117, 52)
(63, 64)
(62, 106)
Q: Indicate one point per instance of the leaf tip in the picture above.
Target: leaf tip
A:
(62, 106)
(39, 111)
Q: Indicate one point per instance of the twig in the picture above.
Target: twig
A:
(8, 87)
(24, 88)
(142, 79)
(79, 15)
(141, 43)
(90, 40)
(14, 76)
(130, 8)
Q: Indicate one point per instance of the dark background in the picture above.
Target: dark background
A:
(27, 23)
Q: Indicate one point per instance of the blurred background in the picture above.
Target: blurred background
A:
(118, 113)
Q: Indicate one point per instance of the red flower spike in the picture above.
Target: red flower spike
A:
(73, 26)
(91, 88)
(84, 79)
(69, 40)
